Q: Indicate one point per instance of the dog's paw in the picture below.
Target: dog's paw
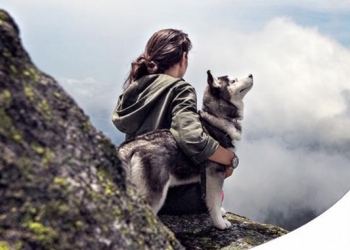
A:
(222, 224)
(223, 211)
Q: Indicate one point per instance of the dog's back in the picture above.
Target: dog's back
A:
(157, 148)
(153, 162)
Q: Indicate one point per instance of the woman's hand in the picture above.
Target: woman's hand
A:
(229, 171)
(224, 157)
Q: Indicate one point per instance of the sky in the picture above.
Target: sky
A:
(295, 149)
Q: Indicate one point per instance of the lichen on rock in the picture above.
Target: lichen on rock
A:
(197, 232)
(61, 184)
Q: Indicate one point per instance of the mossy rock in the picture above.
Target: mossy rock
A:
(197, 232)
(61, 182)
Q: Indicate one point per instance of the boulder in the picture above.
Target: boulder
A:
(61, 184)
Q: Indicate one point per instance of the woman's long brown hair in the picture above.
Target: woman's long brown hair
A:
(163, 50)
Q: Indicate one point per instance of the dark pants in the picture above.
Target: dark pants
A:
(184, 199)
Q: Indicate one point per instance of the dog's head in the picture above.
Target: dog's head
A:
(225, 89)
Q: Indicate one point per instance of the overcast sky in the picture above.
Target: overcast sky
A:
(295, 150)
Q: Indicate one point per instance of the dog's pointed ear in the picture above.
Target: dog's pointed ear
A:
(213, 82)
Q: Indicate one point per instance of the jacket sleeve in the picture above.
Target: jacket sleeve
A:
(186, 126)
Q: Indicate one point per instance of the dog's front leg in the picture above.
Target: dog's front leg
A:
(214, 183)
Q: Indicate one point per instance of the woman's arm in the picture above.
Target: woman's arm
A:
(186, 126)
(188, 131)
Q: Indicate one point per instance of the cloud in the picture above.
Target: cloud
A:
(92, 94)
(300, 78)
(83, 89)
(273, 177)
(97, 99)
(296, 142)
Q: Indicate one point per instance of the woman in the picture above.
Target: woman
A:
(156, 97)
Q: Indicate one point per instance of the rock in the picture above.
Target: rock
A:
(61, 183)
(196, 232)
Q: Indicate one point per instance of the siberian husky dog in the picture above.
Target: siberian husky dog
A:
(153, 161)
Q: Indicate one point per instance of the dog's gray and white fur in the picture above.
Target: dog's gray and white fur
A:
(154, 162)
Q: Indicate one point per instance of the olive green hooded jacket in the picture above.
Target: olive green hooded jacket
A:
(160, 101)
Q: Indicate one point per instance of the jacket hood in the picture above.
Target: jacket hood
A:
(138, 99)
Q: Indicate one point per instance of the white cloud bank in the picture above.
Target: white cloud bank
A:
(296, 141)
(301, 79)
